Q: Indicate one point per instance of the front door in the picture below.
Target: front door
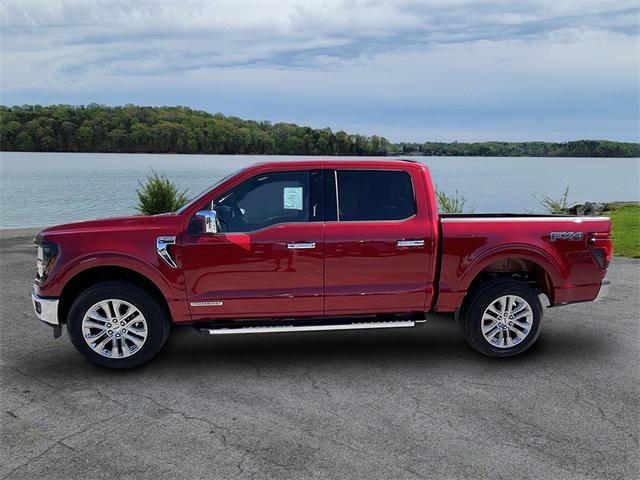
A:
(378, 246)
(267, 260)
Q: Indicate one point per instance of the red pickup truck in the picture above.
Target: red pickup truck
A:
(312, 246)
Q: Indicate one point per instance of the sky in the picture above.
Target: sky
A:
(432, 70)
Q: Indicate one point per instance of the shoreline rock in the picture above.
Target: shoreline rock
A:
(589, 208)
(593, 208)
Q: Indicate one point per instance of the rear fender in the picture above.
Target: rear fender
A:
(453, 290)
(549, 263)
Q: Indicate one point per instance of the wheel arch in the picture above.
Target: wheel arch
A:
(91, 276)
(530, 266)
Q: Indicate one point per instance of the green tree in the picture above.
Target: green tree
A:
(159, 195)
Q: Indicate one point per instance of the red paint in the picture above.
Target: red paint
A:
(356, 267)
(470, 247)
(366, 272)
(255, 275)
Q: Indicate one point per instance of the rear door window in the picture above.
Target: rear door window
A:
(370, 195)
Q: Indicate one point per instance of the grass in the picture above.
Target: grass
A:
(451, 203)
(558, 205)
(625, 218)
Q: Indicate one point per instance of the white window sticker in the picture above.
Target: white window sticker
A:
(293, 198)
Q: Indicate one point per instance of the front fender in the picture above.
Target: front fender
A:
(60, 277)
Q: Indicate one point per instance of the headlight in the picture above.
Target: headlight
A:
(47, 255)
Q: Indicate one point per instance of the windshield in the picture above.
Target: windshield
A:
(207, 190)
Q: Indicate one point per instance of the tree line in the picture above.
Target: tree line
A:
(577, 148)
(136, 129)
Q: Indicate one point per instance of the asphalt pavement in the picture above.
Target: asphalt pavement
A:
(388, 404)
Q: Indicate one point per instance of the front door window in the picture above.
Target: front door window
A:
(265, 200)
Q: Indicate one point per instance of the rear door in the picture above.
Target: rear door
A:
(378, 242)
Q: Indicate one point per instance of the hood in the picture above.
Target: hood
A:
(135, 222)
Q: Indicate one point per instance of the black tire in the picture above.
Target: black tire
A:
(158, 324)
(485, 295)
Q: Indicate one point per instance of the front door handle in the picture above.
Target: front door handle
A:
(410, 243)
(301, 246)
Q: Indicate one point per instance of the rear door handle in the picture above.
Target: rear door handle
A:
(410, 243)
(301, 246)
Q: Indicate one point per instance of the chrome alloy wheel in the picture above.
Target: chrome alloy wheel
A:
(507, 321)
(114, 328)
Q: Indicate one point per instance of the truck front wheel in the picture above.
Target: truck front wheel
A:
(502, 318)
(117, 325)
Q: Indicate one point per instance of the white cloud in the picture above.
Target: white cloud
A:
(329, 62)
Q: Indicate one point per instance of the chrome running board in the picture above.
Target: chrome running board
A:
(311, 328)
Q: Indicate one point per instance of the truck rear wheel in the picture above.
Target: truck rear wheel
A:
(117, 325)
(502, 318)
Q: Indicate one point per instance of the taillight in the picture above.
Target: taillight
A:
(601, 248)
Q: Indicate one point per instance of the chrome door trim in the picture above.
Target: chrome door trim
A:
(161, 246)
(335, 180)
(410, 243)
(301, 246)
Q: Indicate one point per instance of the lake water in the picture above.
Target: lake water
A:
(40, 189)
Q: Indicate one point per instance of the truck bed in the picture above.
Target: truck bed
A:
(557, 250)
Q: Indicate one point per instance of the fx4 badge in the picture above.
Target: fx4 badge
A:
(573, 236)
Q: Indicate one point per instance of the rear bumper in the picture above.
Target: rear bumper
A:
(46, 309)
(604, 290)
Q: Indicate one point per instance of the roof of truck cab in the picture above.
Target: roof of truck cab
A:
(312, 163)
(336, 163)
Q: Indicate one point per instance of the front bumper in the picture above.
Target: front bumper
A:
(46, 309)
(604, 290)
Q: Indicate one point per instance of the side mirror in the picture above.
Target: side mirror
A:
(209, 220)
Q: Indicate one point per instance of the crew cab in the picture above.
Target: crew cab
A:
(316, 245)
